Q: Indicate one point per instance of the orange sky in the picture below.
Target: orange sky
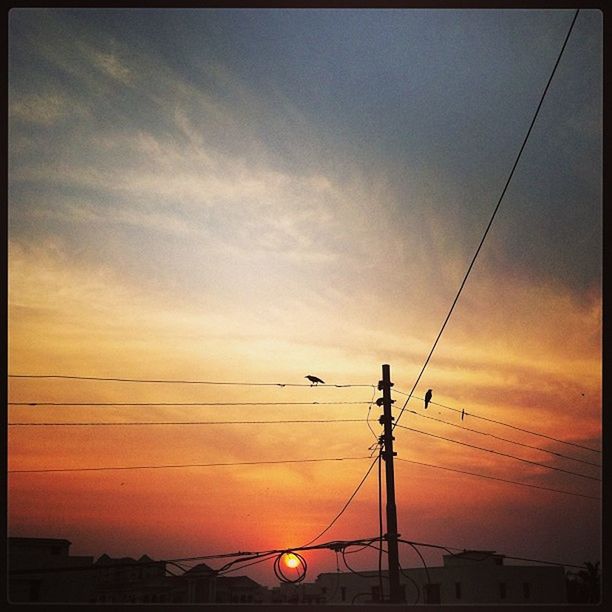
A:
(204, 225)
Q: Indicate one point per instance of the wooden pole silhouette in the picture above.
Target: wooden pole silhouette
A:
(393, 555)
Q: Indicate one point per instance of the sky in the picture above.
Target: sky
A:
(257, 195)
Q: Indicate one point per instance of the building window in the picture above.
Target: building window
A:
(343, 593)
(457, 590)
(502, 590)
(526, 590)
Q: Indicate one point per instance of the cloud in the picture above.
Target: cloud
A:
(112, 66)
(42, 109)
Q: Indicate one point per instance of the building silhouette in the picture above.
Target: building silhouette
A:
(42, 570)
(470, 577)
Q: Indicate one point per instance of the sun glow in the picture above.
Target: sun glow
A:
(291, 560)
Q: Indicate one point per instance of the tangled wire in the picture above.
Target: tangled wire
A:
(293, 560)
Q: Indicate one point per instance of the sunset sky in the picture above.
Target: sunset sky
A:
(257, 195)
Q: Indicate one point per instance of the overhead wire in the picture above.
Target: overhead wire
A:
(488, 227)
(463, 550)
(186, 465)
(490, 435)
(260, 556)
(46, 404)
(515, 482)
(181, 382)
(501, 454)
(476, 416)
(117, 423)
(418, 552)
(346, 505)
(368, 415)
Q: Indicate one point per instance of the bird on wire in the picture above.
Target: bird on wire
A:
(427, 398)
(314, 380)
(462, 413)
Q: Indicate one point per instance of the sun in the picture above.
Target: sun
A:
(291, 560)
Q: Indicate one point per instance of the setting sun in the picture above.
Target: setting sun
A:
(291, 560)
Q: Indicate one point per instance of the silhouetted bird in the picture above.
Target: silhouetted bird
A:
(314, 380)
(427, 397)
(462, 413)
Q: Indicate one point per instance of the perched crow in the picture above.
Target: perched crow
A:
(314, 380)
(427, 397)
(462, 413)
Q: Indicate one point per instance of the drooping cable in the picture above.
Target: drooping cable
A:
(489, 450)
(515, 442)
(514, 482)
(346, 505)
(422, 559)
(476, 416)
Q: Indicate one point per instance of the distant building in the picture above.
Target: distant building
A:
(239, 589)
(127, 580)
(41, 569)
(200, 584)
(471, 577)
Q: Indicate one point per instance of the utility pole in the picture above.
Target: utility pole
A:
(387, 420)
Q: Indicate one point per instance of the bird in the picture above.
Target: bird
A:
(462, 413)
(314, 380)
(427, 397)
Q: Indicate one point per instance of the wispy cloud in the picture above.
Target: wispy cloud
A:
(112, 66)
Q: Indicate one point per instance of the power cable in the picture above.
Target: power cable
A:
(181, 382)
(522, 484)
(476, 416)
(501, 197)
(484, 433)
(463, 550)
(489, 450)
(189, 465)
(138, 423)
(418, 552)
(106, 404)
(346, 505)
(368, 415)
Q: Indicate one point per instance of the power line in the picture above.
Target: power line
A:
(333, 545)
(136, 423)
(346, 505)
(186, 465)
(522, 484)
(108, 404)
(463, 550)
(484, 433)
(534, 433)
(489, 450)
(501, 197)
(181, 382)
